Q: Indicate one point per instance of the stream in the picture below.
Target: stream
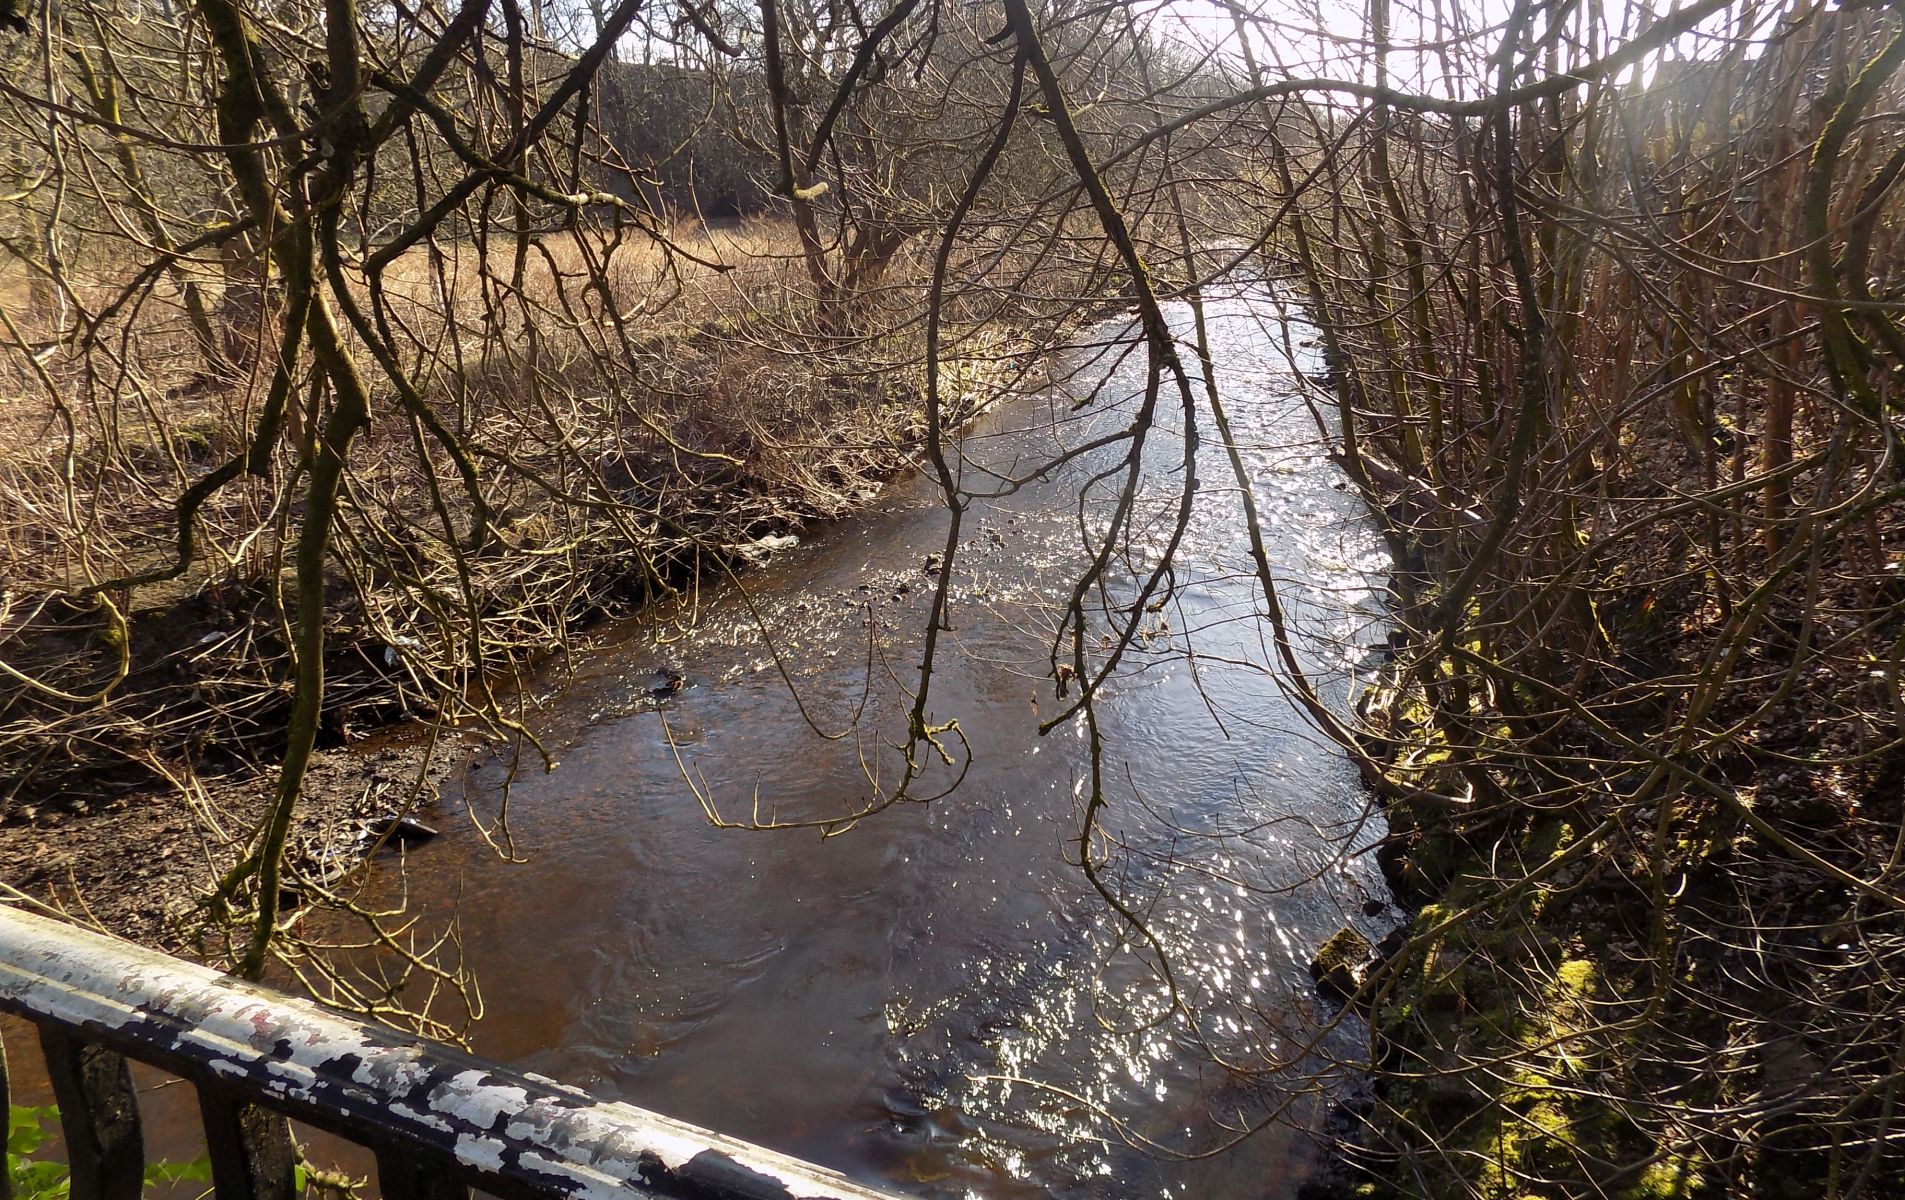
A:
(937, 1000)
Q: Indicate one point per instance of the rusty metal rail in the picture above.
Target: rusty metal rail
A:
(439, 1121)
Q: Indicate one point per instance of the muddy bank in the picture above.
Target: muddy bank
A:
(137, 865)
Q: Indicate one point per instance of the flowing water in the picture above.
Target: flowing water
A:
(938, 1000)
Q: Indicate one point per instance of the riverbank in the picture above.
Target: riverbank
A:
(751, 415)
(1645, 808)
(1600, 999)
(138, 865)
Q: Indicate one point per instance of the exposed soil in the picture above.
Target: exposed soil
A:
(137, 864)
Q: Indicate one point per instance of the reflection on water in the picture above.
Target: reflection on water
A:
(938, 999)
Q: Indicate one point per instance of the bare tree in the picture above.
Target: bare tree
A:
(347, 319)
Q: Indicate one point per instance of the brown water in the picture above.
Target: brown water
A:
(937, 1000)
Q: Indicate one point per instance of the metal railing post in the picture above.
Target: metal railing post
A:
(99, 1114)
(250, 1147)
(403, 1176)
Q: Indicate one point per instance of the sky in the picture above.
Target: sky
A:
(1329, 37)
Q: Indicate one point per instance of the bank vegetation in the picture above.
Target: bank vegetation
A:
(1620, 364)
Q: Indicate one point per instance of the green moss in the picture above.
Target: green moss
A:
(1338, 965)
(1432, 863)
(1549, 837)
(111, 635)
(1577, 978)
(199, 435)
(1515, 989)
(1672, 1178)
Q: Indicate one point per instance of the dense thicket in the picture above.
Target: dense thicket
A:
(1622, 362)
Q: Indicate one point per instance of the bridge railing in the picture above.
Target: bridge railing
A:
(439, 1121)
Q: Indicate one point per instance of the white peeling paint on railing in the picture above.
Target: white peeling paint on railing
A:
(378, 1085)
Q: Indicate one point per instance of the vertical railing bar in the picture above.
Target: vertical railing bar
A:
(250, 1148)
(99, 1113)
(405, 1175)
